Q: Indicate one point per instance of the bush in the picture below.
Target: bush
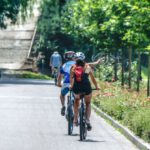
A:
(138, 121)
(105, 72)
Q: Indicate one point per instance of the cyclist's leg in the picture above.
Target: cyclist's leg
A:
(64, 91)
(87, 99)
(76, 106)
(52, 70)
(88, 110)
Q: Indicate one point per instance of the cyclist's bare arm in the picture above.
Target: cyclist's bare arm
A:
(92, 64)
(72, 76)
(94, 80)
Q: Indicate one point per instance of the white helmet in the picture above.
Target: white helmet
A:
(80, 55)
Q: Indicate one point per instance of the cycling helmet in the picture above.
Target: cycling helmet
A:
(69, 55)
(80, 55)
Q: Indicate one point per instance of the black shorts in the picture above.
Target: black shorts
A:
(82, 88)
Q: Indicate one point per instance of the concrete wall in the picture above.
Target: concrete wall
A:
(15, 43)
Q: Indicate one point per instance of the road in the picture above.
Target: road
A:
(30, 120)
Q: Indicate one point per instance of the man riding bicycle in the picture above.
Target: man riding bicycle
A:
(55, 62)
(79, 83)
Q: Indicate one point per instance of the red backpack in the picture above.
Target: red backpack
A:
(78, 73)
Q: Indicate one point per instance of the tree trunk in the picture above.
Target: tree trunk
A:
(148, 81)
(122, 71)
(139, 71)
(115, 67)
(130, 61)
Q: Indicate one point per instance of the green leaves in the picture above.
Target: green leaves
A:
(118, 21)
(9, 10)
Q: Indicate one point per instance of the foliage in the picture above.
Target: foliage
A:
(138, 121)
(93, 26)
(105, 71)
(50, 37)
(9, 10)
(111, 24)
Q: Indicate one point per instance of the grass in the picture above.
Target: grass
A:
(32, 75)
(144, 73)
(130, 108)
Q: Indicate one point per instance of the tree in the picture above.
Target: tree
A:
(9, 10)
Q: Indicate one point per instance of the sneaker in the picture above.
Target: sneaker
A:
(89, 127)
(63, 110)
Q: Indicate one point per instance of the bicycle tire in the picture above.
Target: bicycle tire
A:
(55, 80)
(70, 116)
(85, 127)
(70, 122)
(81, 125)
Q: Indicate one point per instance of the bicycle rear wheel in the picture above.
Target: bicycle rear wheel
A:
(70, 123)
(82, 125)
(55, 80)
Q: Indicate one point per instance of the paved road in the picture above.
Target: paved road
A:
(30, 120)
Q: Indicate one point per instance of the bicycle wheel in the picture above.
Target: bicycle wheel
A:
(81, 125)
(70, 121)
(85, 127)
(55, 80)
(70, 116)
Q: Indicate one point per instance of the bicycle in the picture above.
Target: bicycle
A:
(70, 113)
(82, 118)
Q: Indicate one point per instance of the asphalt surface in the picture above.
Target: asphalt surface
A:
(30, 120)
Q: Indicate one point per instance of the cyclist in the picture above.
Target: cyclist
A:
(65, 72)
(55, 61)
(70, 57)
(79, 83)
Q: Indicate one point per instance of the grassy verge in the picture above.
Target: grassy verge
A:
(128, 107)
(32, 75)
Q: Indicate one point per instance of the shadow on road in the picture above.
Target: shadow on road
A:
(75, 134)
(28, 82)
(92, 141)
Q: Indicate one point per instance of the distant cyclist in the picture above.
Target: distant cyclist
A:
(79, 82)
(55, 61)
(65, 73)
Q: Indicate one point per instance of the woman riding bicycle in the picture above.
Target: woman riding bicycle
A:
(80, 84)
